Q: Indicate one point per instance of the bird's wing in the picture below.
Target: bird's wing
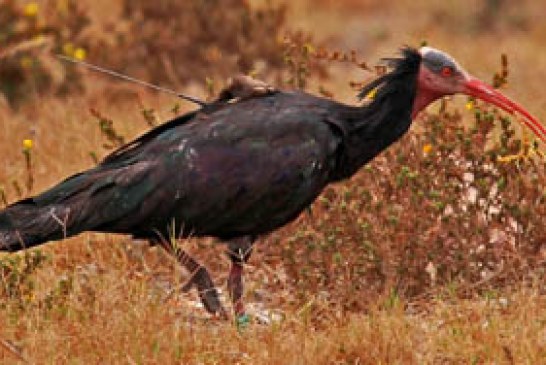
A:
(246, 168)
(256, 182)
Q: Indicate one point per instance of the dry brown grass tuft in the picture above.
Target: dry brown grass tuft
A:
(111, 314)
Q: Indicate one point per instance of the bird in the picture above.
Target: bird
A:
(239, 168)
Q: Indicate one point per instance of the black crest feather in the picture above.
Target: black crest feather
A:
(408, 63)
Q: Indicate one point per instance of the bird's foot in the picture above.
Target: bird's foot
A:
(212, 304)
(207, 293)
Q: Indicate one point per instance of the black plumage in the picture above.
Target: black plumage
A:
(229, 170)
(226, 170)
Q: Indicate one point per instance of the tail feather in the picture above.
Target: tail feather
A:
(25, 224)
(55, 214)
(104, 199)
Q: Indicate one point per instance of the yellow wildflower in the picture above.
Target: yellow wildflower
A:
(427, 148)
(470, 105)
(526, 152)
(510, 158)
(31, 9)
(27, 144)
(309, 49)
(80, 54)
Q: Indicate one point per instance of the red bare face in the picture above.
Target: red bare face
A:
(440, 75)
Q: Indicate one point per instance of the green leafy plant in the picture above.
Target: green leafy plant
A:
(16, 276)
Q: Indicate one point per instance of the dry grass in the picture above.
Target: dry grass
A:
(114, 315)
(356, 281)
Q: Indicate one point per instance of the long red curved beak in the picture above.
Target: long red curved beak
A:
(478, 89)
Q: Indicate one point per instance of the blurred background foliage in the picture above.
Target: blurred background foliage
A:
(30, 35)
(181, 43)
(145, 40)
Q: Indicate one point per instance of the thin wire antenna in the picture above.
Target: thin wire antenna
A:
(132, 79)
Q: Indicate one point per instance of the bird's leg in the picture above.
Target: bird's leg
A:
(239, 251)
(200, 277)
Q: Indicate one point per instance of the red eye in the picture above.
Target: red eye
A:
(447, 71)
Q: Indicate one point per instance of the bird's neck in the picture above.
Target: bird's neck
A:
(374, 127)
(422, 99)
